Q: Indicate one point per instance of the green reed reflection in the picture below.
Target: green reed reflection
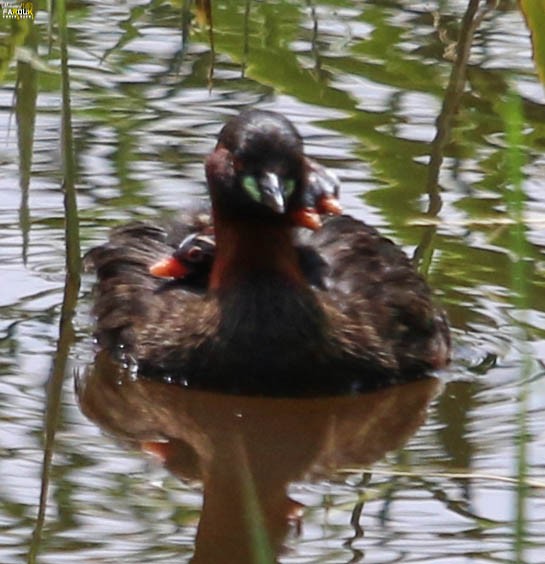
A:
(516, 199)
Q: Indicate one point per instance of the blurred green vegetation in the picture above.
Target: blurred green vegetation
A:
(534, 12)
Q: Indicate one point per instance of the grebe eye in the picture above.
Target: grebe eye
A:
(250, 185)
(289, 187)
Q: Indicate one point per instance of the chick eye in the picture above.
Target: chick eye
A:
(289, 186)
(195, 254)
(250, 185)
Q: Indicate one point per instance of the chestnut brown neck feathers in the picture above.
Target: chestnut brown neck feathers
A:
(248, 248)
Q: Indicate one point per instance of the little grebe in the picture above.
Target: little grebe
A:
(260, 327)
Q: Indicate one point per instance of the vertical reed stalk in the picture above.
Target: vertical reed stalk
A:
(515, 198)
(71, 288)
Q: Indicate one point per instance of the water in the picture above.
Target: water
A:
(365, 84)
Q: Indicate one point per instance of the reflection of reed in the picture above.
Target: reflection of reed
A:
(247, 450)
(314, 41)
(451, 102)
(185, 29)
(204, 12)
(520, 273)
(455, 88)
(453, 436)
(26, 94)
(71, 288)
(73, 254)
(246, 47)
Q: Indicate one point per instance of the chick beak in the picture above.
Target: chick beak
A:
(272, 192)
(306, 217)
(329, 204)
(168, 267)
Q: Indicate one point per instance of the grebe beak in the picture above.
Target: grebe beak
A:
(272, 192)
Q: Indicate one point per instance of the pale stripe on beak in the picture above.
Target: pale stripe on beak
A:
(272, 192)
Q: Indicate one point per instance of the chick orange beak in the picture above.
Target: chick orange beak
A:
(329, 204)
(155, 448)
(306, 217)
(168, 268)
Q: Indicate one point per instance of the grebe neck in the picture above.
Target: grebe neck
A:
(249, 249)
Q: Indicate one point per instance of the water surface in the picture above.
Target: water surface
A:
(417, 137)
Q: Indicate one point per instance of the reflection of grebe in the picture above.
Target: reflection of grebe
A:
(261, 328)
(247, 450)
